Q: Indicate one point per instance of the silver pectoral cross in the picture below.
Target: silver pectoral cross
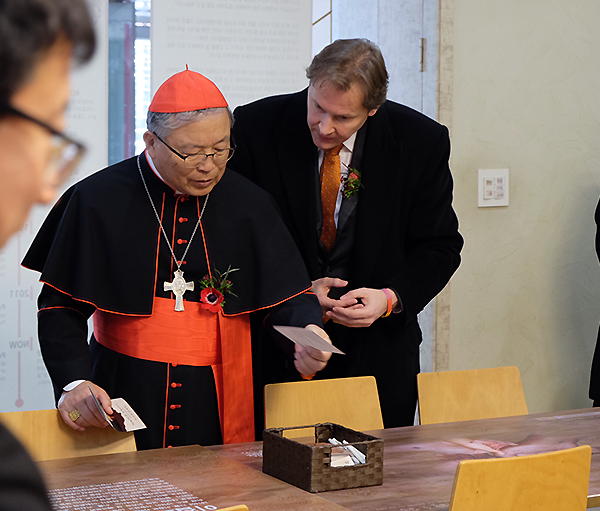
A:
(179, 286)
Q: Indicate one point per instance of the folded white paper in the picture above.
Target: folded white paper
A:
(307, 338)
(123, 417)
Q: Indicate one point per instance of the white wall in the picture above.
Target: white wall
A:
(526, 96)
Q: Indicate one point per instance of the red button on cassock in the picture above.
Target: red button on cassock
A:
(171, 427)
(175, 385)
(173, 407)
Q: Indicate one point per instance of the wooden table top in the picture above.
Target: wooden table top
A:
(190, 478)
(420, 461)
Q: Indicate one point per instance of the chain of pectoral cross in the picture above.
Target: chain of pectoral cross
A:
(179, 285)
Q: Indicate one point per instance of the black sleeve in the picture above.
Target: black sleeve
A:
(597, 219)
(432, 242)
(299, 311)
(62, 331)
(21, 484)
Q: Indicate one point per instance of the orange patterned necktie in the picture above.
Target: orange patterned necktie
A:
(330, 185)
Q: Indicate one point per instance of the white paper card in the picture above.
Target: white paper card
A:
(123, 417)
(132, 421)
(307, 338)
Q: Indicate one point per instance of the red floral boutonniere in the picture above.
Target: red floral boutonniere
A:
(352, 182)
(212, 296)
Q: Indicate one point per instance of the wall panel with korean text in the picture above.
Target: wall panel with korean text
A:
(249, 48)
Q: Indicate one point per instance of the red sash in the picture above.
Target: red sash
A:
(193, 337)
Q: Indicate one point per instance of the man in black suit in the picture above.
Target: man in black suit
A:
(595, 374)
(38, 41)
(395, 243)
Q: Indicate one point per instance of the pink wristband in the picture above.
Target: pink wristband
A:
(390, 299)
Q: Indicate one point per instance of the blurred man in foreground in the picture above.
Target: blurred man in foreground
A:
(39, 39)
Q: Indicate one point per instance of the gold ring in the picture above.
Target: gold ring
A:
(74, 415)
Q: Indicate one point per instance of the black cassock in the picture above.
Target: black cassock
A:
(101, 250)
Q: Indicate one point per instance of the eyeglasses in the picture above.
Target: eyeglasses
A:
(65, 152)
(193, 160)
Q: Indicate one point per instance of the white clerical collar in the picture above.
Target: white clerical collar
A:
(154, 169)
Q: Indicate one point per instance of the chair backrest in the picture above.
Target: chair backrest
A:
(553, 481)
(453, 396)
(47, 437)
(351, 402)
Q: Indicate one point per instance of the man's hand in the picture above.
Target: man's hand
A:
(321, 288)
(81, 400)
(368, 305)
(309, 360)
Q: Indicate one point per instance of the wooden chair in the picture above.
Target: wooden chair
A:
(469, 395)
(553, 481)
(47, 437)
(351, 402)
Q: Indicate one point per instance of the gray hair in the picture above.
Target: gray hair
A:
(164, 123)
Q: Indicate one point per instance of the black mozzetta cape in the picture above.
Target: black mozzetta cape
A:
(100, 243)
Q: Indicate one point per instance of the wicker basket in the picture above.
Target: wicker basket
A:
(309, 466)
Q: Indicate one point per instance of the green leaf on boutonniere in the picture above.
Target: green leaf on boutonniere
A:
(352, 182)
(219, 282)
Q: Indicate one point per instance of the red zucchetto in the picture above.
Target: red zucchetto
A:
(185, 92)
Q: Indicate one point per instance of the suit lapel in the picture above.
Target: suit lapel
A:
(349, 204)
(298, 158)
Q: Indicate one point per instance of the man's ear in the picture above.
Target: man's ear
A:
(373, 112)
(150, 141)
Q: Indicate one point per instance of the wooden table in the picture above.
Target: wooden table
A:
(190, 478)
(420, 461)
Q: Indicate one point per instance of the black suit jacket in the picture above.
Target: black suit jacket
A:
(406, 232)
(595, 375)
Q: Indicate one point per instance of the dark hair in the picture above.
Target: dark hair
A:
(29, 28)
(348, 61)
